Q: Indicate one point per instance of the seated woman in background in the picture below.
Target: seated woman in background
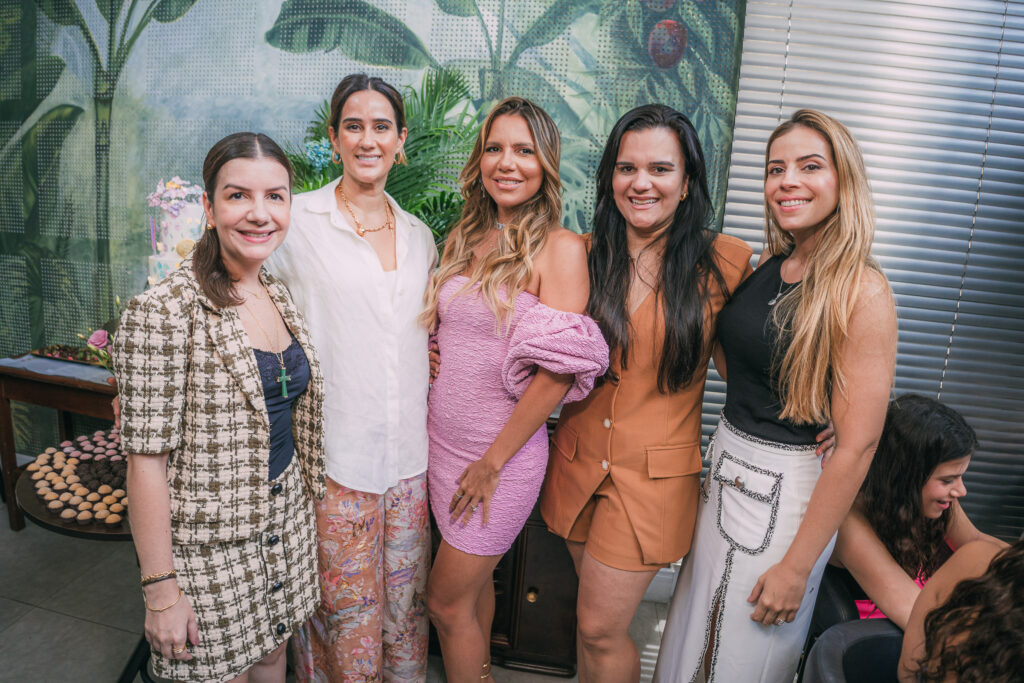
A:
(907, 517)
(977, 632)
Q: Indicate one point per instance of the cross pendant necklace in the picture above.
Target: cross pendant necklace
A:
(283, 378)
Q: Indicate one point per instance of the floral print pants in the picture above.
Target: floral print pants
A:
(373, 560)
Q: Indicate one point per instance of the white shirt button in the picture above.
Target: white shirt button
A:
(607, 423)
(604, 464)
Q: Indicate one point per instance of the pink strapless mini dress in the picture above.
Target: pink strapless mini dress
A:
(484, 371)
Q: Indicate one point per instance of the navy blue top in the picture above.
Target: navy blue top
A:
(750, 341)
(279, 409)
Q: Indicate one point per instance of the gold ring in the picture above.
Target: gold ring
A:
(178, 651)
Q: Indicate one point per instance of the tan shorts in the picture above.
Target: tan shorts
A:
(604, 527)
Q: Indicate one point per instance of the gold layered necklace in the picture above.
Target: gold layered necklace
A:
(283, 375)
(360, 229)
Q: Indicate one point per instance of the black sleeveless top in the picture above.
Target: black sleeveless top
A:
(279, 408)
(749, 340)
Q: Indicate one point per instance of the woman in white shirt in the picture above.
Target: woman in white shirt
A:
(357, 266)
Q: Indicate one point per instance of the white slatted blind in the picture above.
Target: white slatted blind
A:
(934, 92)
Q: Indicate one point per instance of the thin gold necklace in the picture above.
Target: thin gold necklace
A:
(360, 230)
(283, 376)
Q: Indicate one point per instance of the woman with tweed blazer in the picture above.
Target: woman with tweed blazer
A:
(221, 412)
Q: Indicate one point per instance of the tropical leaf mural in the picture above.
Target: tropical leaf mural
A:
(684, 53)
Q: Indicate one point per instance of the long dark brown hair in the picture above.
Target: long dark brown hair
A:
(214, 279)
(920, 434)
(977, 635)
(687, 269)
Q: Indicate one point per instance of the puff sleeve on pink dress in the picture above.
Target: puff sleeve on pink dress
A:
(561, 342)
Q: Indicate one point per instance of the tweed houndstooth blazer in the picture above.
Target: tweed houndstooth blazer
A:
(189, 386)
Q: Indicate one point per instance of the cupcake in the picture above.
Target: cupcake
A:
(112, 519)
(116, 507)
(50, 451)
(85, 505)
(118, 493)
(65, 497)
(110, 500)
(72, 479)
(50, 495)
(41, 484)
(68, 514)
(100, 515)
(55, 506)
(93, 497)
(65, 444)
(96, 507)
(74, 501)
(60, 486)
(84, 517)
(32, 467)
(104, 490)
(36, 476)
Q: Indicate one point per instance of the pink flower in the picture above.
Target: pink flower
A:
(99, 339)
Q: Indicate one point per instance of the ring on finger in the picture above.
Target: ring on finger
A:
(473, 508)
(178, 650)
(780, 621)
(458, 496)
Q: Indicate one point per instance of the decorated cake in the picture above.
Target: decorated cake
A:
(83, 480)
(179, 228)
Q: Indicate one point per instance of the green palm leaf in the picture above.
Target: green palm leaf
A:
(357, 28)
(172, 10)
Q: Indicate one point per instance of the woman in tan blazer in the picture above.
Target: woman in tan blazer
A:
(624, 470)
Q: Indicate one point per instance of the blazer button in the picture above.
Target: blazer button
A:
(738, 483)
(281, 628)
(276, 489)
(607, 423)
(604, 464)
(273, 540)
(276, 587)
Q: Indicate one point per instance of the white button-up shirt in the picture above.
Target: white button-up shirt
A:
(363, 323)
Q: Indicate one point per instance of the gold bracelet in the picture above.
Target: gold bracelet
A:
(162, 609)
(153, 578)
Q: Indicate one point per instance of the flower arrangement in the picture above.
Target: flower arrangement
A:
(99, 340)
(173, 195)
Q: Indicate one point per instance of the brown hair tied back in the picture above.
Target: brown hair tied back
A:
(214, 279)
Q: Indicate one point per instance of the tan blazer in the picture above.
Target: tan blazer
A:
(190, 386)
(646, 441)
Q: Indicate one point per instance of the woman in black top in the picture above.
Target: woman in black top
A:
(809, 337)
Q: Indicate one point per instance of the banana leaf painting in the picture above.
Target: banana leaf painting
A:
(585, 61)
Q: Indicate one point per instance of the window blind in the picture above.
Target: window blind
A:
(934, 93)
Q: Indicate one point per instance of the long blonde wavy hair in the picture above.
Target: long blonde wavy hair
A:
(815, 316)
(510, 264)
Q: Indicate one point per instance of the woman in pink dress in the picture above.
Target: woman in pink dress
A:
(507, 303)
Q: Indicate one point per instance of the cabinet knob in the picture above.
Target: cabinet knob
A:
(531, 595)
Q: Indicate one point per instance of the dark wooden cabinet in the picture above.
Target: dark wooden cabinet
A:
(535, 612)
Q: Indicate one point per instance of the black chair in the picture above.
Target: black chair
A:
(862, 651)
(834, 605)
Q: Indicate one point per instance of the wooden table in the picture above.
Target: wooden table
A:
(62, 385)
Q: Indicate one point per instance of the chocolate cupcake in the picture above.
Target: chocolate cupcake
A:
(50, 451)
(112, 519)
(116, 508)
(65, 497)
(84, 517)
(68, 514)
(55, 506)
(60, 486)
(84, 505)
(96, 507)
(36, 476)
(50, 495)
(32, 467)
(104, 490)
(93, 497)
(75, 501)
(100, 515)
(72, 479)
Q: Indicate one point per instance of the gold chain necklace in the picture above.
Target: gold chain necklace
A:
(283, 376)
(360, 230)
